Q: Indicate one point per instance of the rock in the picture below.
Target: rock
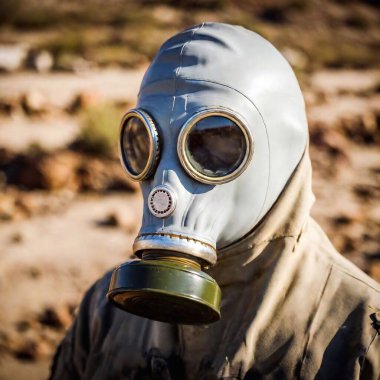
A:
(12, 57)
(348, 216)
(34, 102)
(16, 238)
(92, 175)
(3, 181)
(58, 171)
(22, 170)
(41, 61)
(56, 317)
(62, 170)
(366, 192)
(26, 204)
(22, 326)
(16, 204)
(119, 220)
(7, 207)
(329, 140)
(100, 175)
(84, 100)
(363, 129)
(4, 339)
(32, 350)
(34, 273)
(8, 105)
(111, 220)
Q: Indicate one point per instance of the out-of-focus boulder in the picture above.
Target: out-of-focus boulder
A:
(101, 175)
(9, 105)
(84, 100)
(12, 57)
(63, 170)
(363, 129)
(59, 171)
(41, 61)
(34, 103)
(32, 349)
(57, 317)
(329, 140)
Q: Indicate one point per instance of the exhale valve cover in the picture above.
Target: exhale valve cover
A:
(206, 141)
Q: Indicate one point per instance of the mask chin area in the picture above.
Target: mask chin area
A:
(166, 286)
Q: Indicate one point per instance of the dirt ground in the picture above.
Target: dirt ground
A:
(67, 212)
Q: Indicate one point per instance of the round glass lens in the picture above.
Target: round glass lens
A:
(136, 145)
(215, 146)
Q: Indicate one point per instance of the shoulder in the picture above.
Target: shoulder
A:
(343, 270)
(343, 323)
(349, 296)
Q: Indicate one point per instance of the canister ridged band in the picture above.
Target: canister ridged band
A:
(177, 243)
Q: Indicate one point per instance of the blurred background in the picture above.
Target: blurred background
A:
(71, 68)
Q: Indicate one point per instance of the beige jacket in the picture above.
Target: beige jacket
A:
(292, 308)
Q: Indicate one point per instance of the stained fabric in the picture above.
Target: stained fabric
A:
(292, 308)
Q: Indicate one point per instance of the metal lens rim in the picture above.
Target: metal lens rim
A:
(154, 148)
(182, 140)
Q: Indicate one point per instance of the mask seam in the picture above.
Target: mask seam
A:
(178, 70)
(191, 200)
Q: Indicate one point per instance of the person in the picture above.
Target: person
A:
(219, 143)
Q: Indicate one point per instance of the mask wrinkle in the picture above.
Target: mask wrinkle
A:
(186, 98)
(217, 41)
(178, 71)
(200, 213)
(213, 222)
(185, 214)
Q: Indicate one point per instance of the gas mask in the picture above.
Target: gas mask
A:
(218, 129)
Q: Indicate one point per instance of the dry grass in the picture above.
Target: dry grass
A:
(99, 130)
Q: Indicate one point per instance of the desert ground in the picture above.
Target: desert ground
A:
(69, 72)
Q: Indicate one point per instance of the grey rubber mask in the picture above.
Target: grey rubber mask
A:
(217, 132)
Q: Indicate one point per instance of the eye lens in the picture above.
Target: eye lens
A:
(136, 145)
(215, 146)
